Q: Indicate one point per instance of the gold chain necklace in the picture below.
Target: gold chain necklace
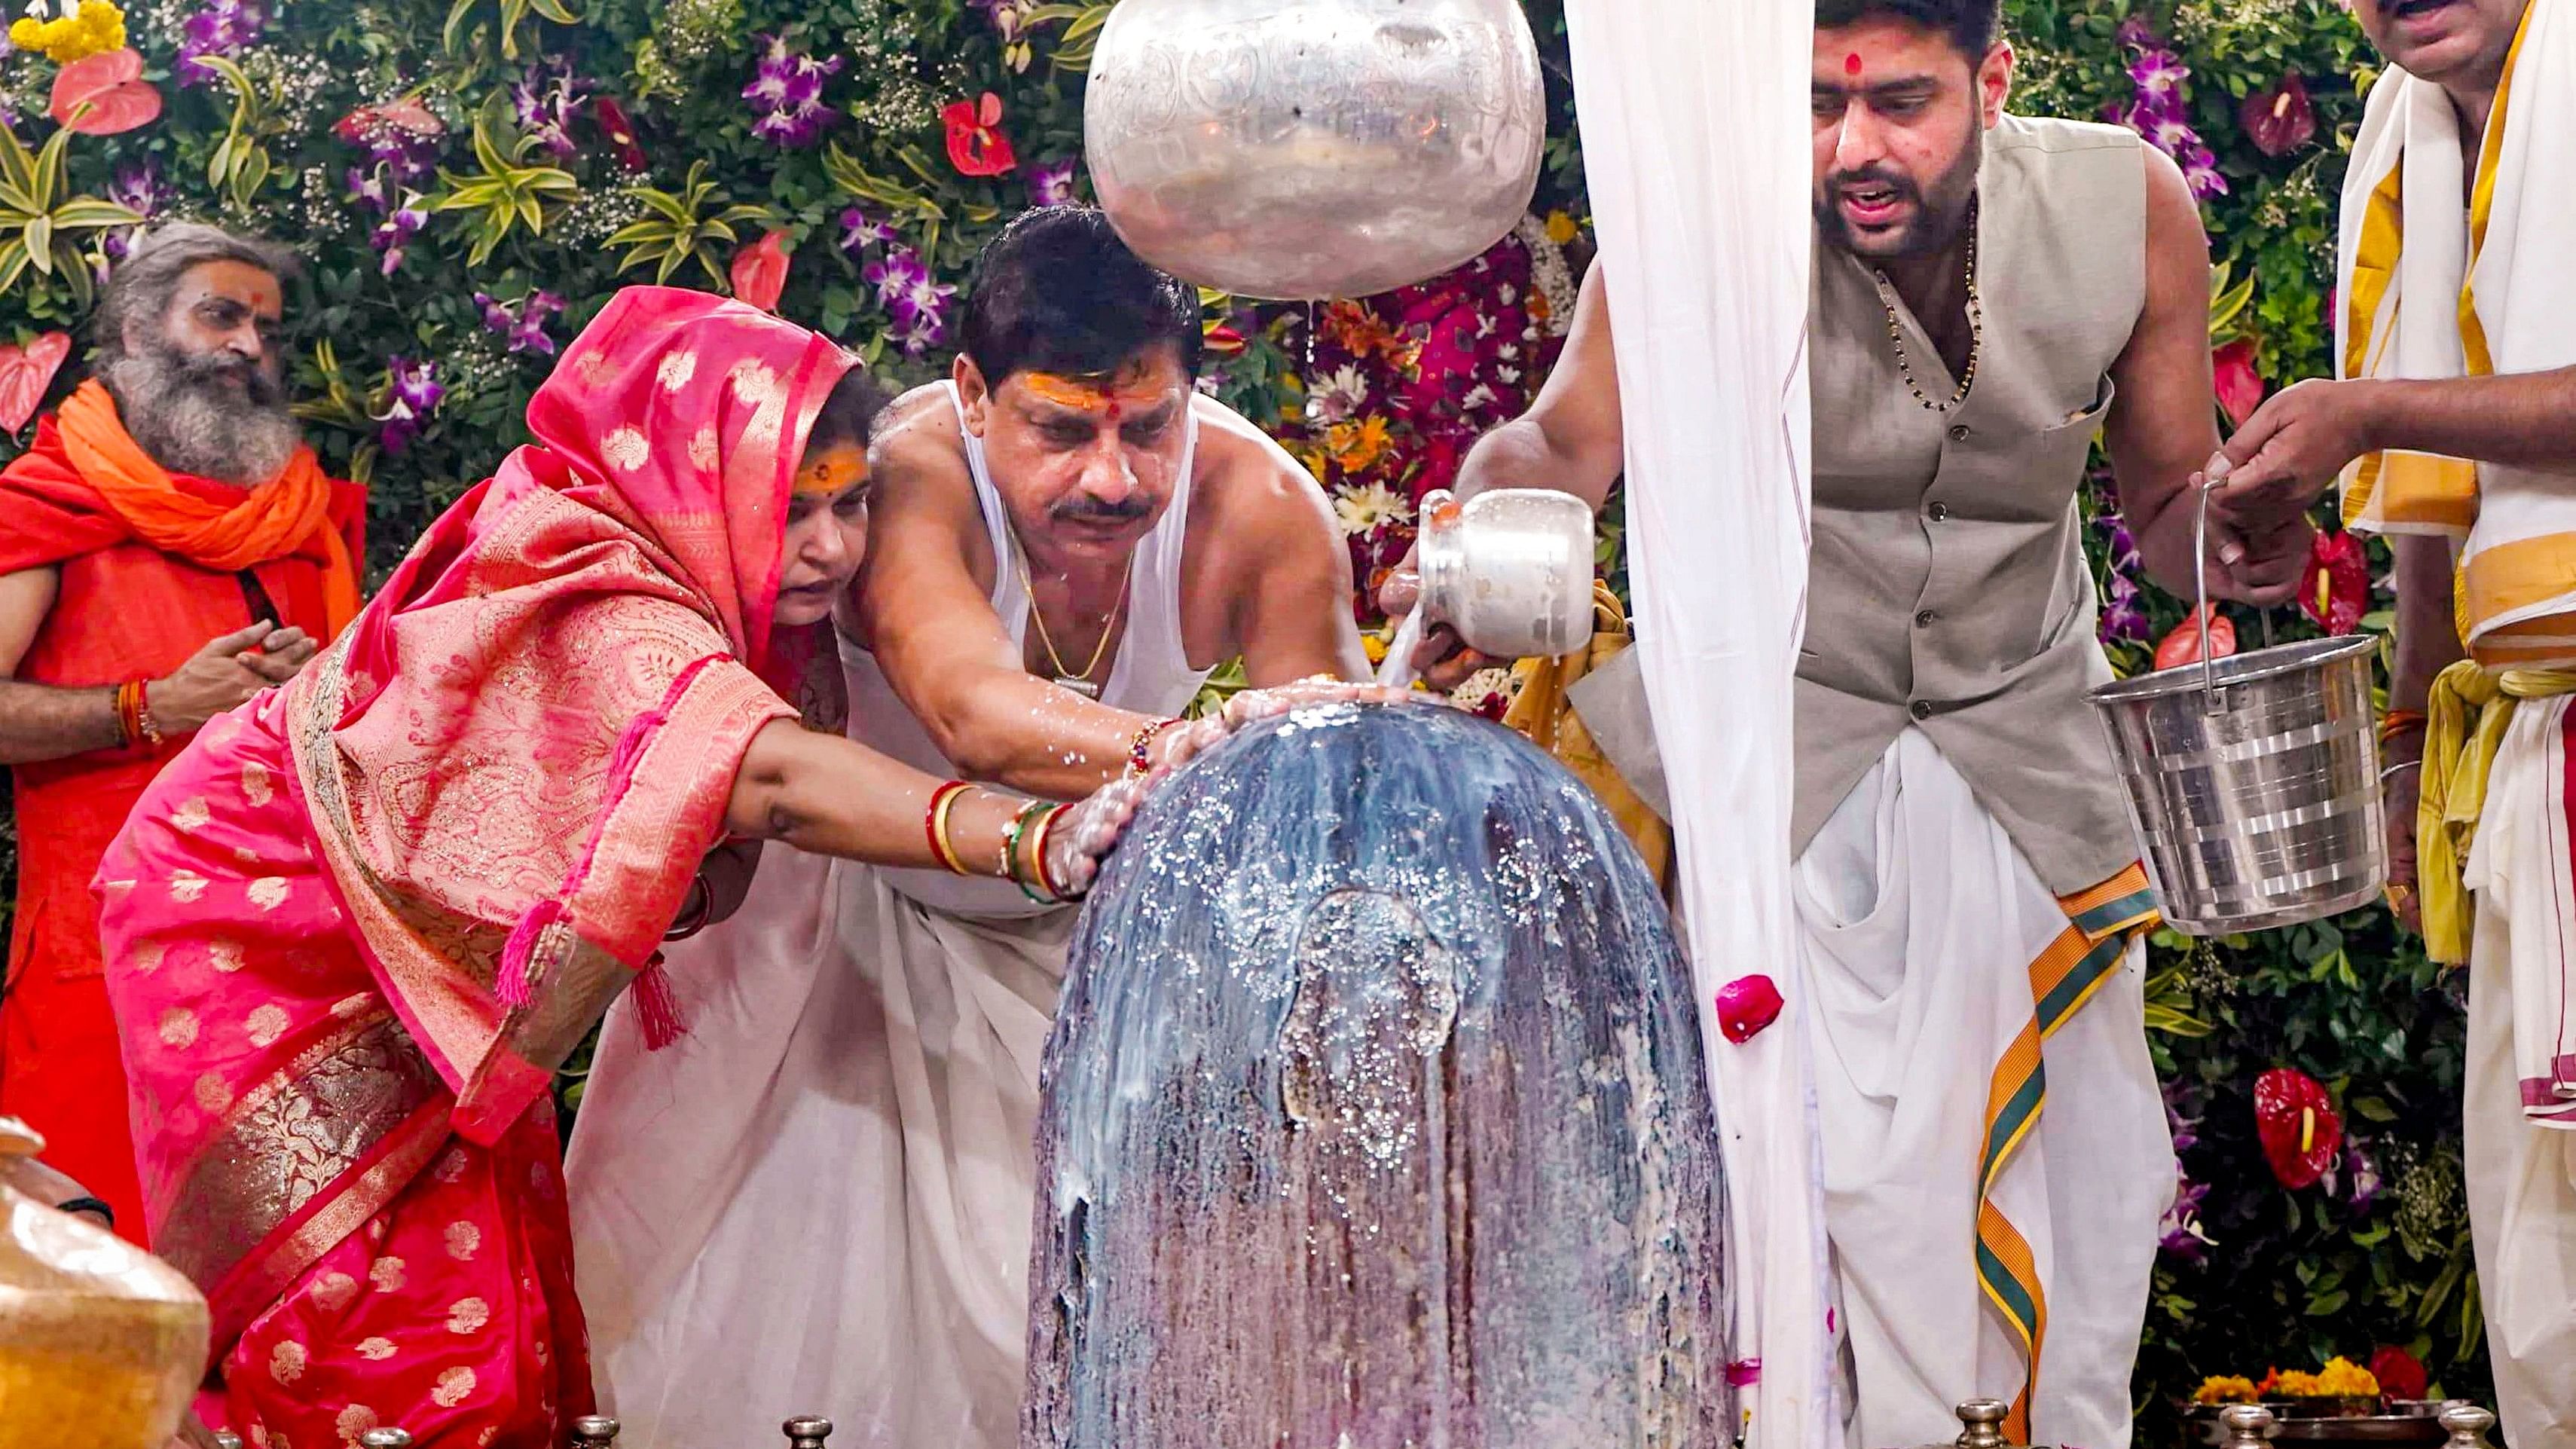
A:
(1082, 683)
(1976, 330)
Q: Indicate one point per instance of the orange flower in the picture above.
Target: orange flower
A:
(1356, 446)
(1362, 333)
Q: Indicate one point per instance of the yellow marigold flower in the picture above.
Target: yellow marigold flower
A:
(1560, 227)
(1374, 647)
(2224, 1389)
(96, 28)
(2297, 1384)
(2343, 1379)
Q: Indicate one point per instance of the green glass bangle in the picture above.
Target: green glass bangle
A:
(1011, 835)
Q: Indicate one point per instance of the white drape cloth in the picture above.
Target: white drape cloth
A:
(2518, 1155)
(818, 1200)
(1695, 138)
(1921, 921)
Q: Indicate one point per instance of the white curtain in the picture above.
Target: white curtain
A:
(1695, 144)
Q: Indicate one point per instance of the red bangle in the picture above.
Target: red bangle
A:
(143, 714)
(1046, 831)
(1140, 755)
(934, 826)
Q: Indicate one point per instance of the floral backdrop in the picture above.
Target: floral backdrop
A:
(469, 184)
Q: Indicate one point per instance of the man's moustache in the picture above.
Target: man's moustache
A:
(1101, 512)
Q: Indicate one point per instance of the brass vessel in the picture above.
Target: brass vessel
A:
(101, 1344)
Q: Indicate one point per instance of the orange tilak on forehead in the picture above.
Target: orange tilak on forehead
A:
(831, 471)
(1132, 386)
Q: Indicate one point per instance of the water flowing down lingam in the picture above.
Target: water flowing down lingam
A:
(1374, 1116)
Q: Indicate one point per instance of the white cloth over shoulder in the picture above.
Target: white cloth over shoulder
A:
(817, 1201)
(2446, 272)
(1695, 137)
(1921, 921)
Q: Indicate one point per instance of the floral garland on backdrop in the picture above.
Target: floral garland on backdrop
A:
(470, 183)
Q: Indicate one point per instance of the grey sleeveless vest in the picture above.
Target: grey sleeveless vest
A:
(1948, 588)
(1947, 584)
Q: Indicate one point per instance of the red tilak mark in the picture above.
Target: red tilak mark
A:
(1851, 63)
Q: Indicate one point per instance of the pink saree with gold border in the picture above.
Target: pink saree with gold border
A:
(356, 927)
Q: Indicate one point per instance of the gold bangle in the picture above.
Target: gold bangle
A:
(940, 810)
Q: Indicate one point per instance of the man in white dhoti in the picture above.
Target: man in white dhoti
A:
(819, 1200)
(2452, 425)
(1990, 292)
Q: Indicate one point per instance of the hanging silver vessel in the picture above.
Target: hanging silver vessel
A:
(1302, 149)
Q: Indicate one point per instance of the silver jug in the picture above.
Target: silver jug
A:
(1304, 149)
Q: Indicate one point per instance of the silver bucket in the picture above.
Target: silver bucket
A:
(2253, 782)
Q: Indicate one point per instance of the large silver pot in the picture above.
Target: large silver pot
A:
(1300, 149)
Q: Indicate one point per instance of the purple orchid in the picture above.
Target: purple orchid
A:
(897, 276)
(923, 332)
(523, 323)
(786, 91)
(1052, 184)
(2158, 74)
(223, 27)
(2181, 1233)
(859, 231)
(2200, 172)
(395, 232)
(545, 99)
(412, 394)
(139, 189)
(2364, 1173)
(924, 297)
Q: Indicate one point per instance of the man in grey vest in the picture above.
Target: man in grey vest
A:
(1991, 293)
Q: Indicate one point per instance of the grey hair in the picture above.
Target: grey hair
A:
(143, 284)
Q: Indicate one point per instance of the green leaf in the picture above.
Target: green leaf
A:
(2371, 1108)
(88, 213)
(40, 243)
(456, 15)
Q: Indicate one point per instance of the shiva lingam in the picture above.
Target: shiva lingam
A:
(100, 1343)
(1375, 1113)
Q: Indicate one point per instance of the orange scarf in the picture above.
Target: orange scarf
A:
(270, 522)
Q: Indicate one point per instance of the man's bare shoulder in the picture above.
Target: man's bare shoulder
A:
(919, 440)
(1246, 483)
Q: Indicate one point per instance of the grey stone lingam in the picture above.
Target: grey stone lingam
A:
(1375, 1116)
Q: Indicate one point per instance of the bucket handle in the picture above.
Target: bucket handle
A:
(2200, 603)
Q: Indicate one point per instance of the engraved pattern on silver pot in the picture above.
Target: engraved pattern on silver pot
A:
(1314, 148)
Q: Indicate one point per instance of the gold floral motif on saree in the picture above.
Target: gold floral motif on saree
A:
(289, 1139)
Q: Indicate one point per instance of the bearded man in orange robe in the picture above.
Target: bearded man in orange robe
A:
(168, 549)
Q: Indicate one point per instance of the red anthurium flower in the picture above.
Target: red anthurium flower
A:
(2336, 590)
(104, 95)
(25, 373)
(406, 114)
(2182, 646)
(1224, 339)
(620, 131)
(1745, 1006)
(976, 145)
(2278, 117)
(2401, 1375)
(2302, 1135)
(2240, 387)
(760, 271)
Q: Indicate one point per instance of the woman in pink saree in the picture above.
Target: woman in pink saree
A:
(357, 926)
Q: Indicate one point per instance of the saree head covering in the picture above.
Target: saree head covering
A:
(376, 909)
(528, 743)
